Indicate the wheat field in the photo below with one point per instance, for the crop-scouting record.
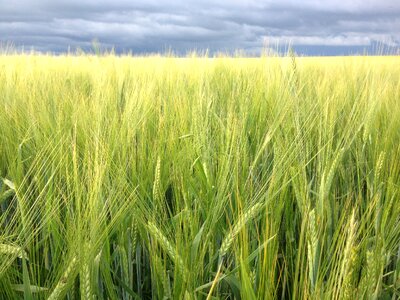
(199, 178)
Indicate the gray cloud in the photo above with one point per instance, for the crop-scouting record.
(154, 26)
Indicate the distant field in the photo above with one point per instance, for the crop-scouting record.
(199, 178)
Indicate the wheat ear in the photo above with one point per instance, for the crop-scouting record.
(63, 282)
(167, 246)
(13, 250)
(248, 215)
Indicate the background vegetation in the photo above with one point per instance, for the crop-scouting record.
(199, 178)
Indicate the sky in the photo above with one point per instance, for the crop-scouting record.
(310, 27)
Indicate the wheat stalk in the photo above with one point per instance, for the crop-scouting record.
(164, 277)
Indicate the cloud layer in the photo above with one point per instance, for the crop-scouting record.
(313, 27)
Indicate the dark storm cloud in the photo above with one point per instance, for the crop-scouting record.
(154, 26)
